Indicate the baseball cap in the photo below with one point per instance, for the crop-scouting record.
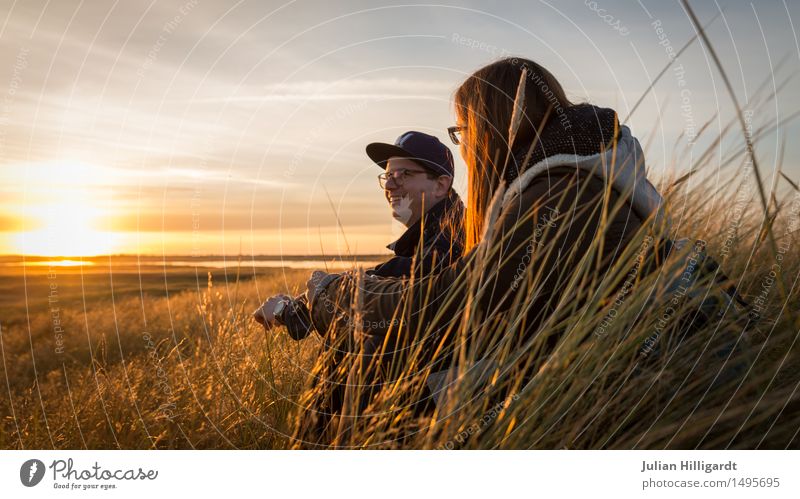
(424, 149)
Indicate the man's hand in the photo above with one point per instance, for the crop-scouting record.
(264, 314)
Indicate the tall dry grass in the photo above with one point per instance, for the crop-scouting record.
(189, 371)
(194, 371)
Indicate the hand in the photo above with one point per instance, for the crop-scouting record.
(264, 314)
(316, 277)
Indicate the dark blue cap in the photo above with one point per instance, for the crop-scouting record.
(424, 149)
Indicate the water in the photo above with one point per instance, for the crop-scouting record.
(217, 263)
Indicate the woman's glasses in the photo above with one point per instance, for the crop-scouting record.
(399, 176)
(455, 133)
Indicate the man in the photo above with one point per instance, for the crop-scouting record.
(418, 184)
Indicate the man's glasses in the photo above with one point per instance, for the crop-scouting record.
(399, 176)
(455, 133)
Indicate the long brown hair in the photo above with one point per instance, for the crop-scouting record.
(484, 106)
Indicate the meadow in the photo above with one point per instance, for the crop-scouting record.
(120, 356)
(116, 355)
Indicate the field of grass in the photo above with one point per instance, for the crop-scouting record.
(177, 365)
(171, 359)
(114, 355)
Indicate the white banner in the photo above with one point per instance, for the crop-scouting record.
(379, 474)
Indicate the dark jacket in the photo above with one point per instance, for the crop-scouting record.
(442, 234)
(436, 241)
(543, 222)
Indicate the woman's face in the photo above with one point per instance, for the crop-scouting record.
(464, 139)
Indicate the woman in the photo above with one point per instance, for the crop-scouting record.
(555, 189)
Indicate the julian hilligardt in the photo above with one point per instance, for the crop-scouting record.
(688, 466)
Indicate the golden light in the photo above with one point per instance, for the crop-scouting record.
(65, 202)
(60, 263)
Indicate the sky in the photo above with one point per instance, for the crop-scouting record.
(200, 127)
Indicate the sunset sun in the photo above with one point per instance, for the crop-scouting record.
(64, 211)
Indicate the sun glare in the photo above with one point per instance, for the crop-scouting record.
(66, 203)
(59, 263)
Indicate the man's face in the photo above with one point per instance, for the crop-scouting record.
(408, 186)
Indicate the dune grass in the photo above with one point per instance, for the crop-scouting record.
(192, 370)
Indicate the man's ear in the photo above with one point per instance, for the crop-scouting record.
(443, 185)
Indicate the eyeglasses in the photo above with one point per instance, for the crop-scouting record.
(455, 133)
(399, 176)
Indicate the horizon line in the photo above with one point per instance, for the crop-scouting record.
(184, 255)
